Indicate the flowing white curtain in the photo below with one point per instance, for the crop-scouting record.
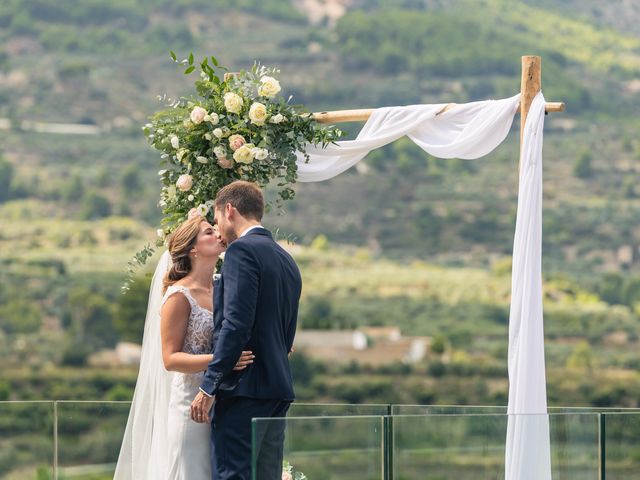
(527, 455)
(471, 131)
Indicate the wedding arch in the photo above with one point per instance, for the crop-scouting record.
(470, 131)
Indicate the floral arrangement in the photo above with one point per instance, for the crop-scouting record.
(236, 127)
(289, 474)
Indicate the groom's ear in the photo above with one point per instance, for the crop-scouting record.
(228, 210)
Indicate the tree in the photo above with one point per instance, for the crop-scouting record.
(91, 319)
(582, 167)
(581, 357)
(131, 311)
(131, 180)
(6, 177)
(95, 206)
(20, 316)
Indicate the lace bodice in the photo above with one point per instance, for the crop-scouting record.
(199, 336)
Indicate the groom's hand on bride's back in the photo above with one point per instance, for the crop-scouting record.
(246, 359)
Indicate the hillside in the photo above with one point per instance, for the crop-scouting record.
(74, 208)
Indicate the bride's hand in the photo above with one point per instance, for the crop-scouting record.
(246, 359)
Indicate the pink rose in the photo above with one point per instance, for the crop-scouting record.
(287, 476)
(225, 162)
(197, 115)
(236, 141)
(185, 182)
(193, 213)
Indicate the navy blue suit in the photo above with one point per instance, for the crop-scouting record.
(256, 308)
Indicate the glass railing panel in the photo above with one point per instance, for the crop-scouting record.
(621, 445)
(26, 440)
(446, 409)
(472, 447)
(330, 448)
(336, 409)
(89, 438)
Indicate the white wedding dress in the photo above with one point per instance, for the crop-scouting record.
(189, 442)
(161, 442)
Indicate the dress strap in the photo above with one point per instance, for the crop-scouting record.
(183, 290)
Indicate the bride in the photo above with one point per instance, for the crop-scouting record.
(161, 441)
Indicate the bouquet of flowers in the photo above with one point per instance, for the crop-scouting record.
(235, 127)
(289, 474)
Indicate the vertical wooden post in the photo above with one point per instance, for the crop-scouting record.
(530, 85)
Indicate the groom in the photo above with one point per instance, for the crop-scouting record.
(256, 308)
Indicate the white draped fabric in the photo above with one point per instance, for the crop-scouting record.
(527, 455)
(471, 131)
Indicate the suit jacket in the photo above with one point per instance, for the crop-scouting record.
(256, 308)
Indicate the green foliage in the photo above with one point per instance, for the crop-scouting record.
(95, 206)
(131, 182)
(583, 166)
(131, 311)
(6, 178)
(91, 319)
(18, 315)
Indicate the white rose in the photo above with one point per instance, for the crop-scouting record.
(220, 151)
(244, 154)
(269, 88)
(202, 210)
(207, 136)
(202, 160)
(233, 102)
(197, 115)
(277, 118)
(212, 118)
(260, 153)
(175, 141)
(218, 133)
(185, 182)
(171, 192)
(258, 113)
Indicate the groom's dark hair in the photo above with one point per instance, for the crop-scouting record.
(246, 197)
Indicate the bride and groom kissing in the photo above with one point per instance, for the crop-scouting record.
(215, 352)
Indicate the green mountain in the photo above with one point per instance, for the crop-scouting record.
(74, 207)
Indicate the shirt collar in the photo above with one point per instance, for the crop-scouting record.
(252, 227)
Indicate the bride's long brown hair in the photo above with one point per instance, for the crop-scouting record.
(180, 243)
